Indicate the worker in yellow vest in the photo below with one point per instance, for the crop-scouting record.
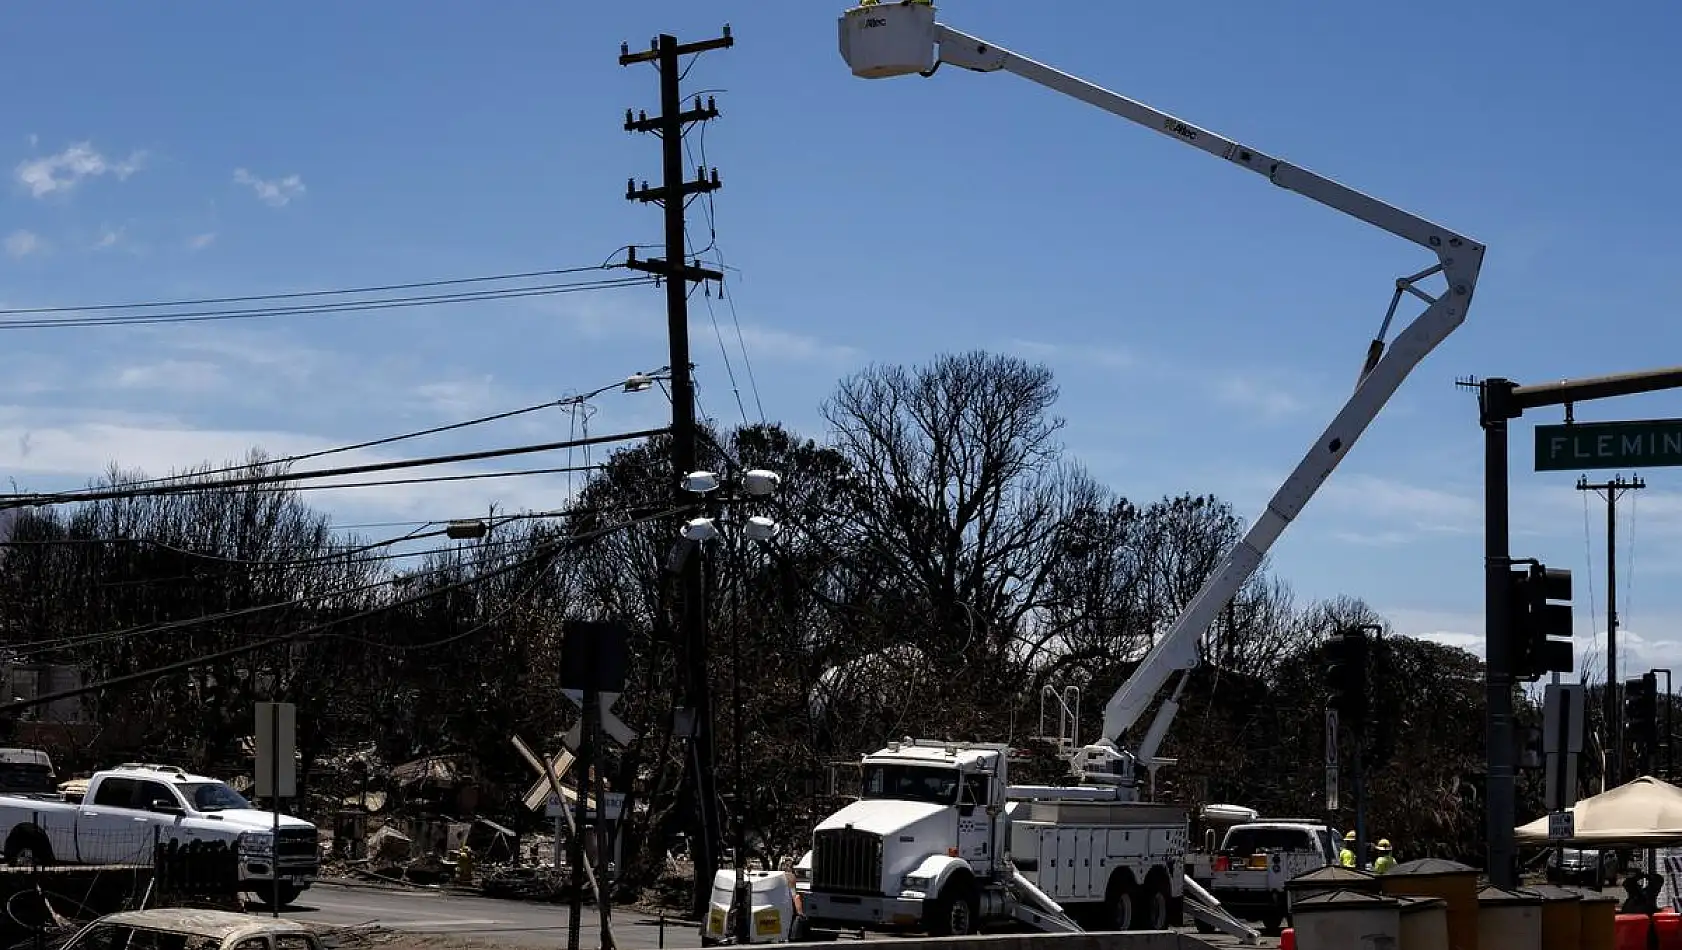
(1386, 860)
(1346, 857)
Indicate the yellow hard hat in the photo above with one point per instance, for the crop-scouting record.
(1384, 844)
(1349, 836)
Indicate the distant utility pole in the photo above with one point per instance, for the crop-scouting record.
(1611, 490)
(672, 195)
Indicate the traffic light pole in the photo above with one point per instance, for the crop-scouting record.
(1500, 401)
(1669, 724)
(1616, 741)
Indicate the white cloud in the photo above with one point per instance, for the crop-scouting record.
(460, 398)
(769, 344)
(24, 243)
(62, 172)
(1105, 357)
(274, 192)
(108, 237)
(199, 242)
(172, 375)
(1386, 505)
(272, 353)
(1637, 651)
(63, 449)
(1270, 401)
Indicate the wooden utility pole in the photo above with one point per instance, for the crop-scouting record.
(672, 195)
(1611, 490)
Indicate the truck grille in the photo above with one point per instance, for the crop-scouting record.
(847, 860)
(297, 846)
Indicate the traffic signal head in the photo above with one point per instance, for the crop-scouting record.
(1346, 675)
(1641, 711)
(1539, 624)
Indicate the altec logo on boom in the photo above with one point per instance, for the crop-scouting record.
(1651, 443)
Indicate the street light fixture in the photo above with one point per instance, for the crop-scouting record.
(760, 482)
(699, 529)
(700, 483)
(749, 485)
(759, 528)
(638, 382)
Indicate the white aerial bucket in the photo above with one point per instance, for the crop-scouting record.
(888, 39)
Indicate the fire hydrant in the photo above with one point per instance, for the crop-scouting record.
(464, 865)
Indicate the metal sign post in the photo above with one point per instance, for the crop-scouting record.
(593, 660)
(277, 773)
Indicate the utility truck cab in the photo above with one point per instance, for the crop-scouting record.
(940, 841)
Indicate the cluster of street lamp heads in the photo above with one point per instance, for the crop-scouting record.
(753, 483)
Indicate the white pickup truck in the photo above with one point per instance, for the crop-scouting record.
(1256, 858)
(127, 810)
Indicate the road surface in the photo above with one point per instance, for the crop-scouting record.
(477, 919)
(506, 922)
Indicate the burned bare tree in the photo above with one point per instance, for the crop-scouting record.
(962, 497)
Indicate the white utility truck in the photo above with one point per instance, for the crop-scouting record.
(127, 810)
(865, 868)
(941, 841)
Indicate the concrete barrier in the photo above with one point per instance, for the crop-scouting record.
(1132, 940)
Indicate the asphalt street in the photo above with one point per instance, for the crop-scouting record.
(512, 923)
(477, 918)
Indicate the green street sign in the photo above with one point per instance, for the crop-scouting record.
(1650, 443)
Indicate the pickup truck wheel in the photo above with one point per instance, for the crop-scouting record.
(29, 849)
(288, 894)
(953, 913)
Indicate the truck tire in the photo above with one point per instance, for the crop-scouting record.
(954, 912)
(1273, 919)
(1151, 903)
(1121, 902)
(29, 847)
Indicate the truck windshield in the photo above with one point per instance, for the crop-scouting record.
(27, 779)
(915, 783)
(1258, 840)
(213, 796)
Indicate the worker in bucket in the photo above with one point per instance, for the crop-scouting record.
(1346, 857)
(1386, 860)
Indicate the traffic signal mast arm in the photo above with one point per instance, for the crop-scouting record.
(879, 40)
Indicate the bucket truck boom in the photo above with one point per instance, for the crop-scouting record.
(880, 40)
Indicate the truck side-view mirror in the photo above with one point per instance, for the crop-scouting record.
(164, 806)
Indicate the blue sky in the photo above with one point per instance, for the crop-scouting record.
(1204, 325)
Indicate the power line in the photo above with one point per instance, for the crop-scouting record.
(386, 482)
(29, 501)
(429, 300)
(553, 549)
(296, 295)
(166, 546)
(574, 400)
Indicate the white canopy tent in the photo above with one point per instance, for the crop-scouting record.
(1645, 813)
